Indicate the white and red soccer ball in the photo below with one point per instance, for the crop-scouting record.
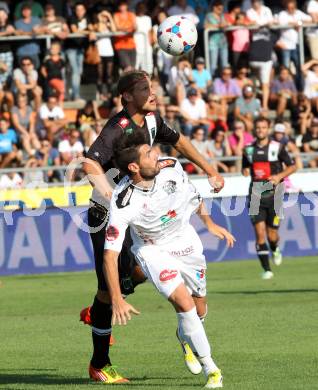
(177, 35)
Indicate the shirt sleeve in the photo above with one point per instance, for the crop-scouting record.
(116, 227)
(245, 162)
(285, 157)
(102, 148)
(165, 134)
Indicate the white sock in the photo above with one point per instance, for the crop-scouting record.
(192, 331)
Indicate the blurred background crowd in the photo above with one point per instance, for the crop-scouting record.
(56, 94)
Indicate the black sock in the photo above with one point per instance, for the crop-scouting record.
(101, 315)
(263, 255)
(273, 245)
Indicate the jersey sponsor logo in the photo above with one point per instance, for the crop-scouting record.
(200, 275)
(123, 122)
(182, 252)
(170, 187)
(167, 274)
(167, 163)
(112, 233)
(170, 216)
(262, 170)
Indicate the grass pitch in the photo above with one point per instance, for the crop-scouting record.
(264, 333)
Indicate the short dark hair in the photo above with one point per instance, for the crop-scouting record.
(262, 119)
(26, 58)
(129, 79)
(126, 149)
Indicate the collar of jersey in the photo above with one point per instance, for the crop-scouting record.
(141, 189)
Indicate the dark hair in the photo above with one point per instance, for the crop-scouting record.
(80, 3)
(262, 119)
(26, 6)
(129, 79)
(26, 58)
(216, 3)
(234, 4)
(126, 149)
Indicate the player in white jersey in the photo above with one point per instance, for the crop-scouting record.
(156, 201)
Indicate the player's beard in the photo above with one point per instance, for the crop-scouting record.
(149, 174)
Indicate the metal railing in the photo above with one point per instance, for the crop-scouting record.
(300, 28)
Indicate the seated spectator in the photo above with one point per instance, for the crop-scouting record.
(216, 112)
(87, 116)
(218, 46)
(26, 81)
(36, 9)
(247, 107)
(6, 55)
(172, 117)
(12, 179)
(259, 14)
(217, 147)
(182, 8)
(201, 76)
(33, 178)
(125, 45)
(288, 41)
(75, 48)
(193, 110)
(199, 142)
(52, 117)
(226, 87)
(283, 91)
(242, 78)
(27, 26)
(105, 69)
(92, 132)
(53, 69)
(282, 135)
(302, 114)
(310, 71)
(238, 140)
(8, 141)
(71, 148)
(23, 120)
(180, 77)
(49, 156)
(53, 24)
(310, 143)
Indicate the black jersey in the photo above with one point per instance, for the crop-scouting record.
(265, 161)
(102, 149)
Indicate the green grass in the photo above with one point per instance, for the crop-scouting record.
(264, 333)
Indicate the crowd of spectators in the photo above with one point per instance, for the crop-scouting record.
(252, 68)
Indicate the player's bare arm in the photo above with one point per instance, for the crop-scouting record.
(185, 147)
(246, 172)
(97, 178)
(121, 309)
(276, 179)
(213, 228)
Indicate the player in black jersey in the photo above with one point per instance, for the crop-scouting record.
(268, 163)
(137, 117)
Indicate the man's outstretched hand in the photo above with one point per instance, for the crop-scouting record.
(216, 182)
(121, 312)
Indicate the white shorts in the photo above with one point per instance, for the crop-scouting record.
(167, 266)
(264, 70)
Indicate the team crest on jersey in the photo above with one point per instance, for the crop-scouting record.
(123, 122)
(170, 187)
(169, 162)
(167, 274)
(112, 233)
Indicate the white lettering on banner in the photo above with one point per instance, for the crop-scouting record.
(27, 244)
(239, 205)
(310, 210)
(2, 248)
(294, 230)
(64, 239)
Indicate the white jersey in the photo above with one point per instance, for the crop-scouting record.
(158, 216)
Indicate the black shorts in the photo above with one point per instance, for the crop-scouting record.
(266, 213)
(126, 260)
(127, 58)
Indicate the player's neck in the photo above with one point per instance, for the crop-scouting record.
(141, 183)
(262, 142)
(137, 117)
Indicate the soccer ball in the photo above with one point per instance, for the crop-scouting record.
(177, 35)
